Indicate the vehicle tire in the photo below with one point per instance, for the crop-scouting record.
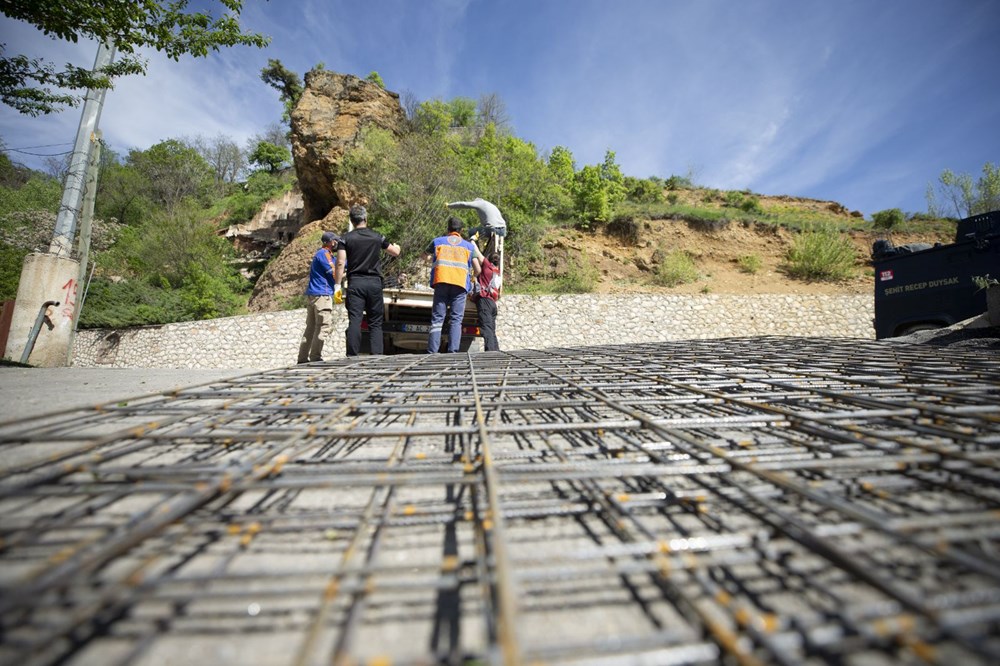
(923, 326)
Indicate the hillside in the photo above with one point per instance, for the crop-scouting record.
(606, 264)
(620, 267)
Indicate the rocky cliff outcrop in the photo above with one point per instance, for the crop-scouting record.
(275, 224)
(332, 112)
(285, 277)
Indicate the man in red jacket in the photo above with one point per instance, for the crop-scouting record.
(489, 284)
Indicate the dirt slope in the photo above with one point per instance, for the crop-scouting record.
(623, 267)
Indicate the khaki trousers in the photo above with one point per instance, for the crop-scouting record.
(319, 323)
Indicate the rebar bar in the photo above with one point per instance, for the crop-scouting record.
(757, 500)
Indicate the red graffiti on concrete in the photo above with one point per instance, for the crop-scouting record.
(69, 300)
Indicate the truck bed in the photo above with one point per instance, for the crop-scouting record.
(408, 319)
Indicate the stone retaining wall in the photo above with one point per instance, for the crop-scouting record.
(270, 340)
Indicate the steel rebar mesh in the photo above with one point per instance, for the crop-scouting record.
(764, 500)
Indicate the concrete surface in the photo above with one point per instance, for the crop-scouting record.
(28, 392)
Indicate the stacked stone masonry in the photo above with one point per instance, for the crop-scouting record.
(271, 339)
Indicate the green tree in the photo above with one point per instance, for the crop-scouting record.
(591, 197)
(963, 195)
(27, 217)
(562, 170)
(376, 79)
(246, 201)
(643, 190)
(463, 112)
(174, 172)
(269, 156)
(679, 182)
(286, 82)
(36, 86)
(613, 179)
(432, 117)
(562, 166)
(436, 116)
(123, 192)
(170, 267)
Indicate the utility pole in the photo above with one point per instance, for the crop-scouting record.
(53, 276)
(86, 226)
(69, 208)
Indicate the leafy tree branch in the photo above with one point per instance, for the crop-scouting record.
(35, 86)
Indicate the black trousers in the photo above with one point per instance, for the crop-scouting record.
(487, 309)
(364, 296)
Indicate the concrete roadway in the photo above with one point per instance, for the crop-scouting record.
(27, 392)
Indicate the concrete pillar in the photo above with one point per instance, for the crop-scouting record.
(44, 277)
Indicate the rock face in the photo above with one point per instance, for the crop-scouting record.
(285, 277)
(270, 230)
(333, 110)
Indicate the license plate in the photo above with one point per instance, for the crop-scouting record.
(416, 328)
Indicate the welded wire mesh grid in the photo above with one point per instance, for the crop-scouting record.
(765, 500)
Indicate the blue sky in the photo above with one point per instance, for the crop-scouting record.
(862, 102)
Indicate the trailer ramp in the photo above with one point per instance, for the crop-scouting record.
(745, 501)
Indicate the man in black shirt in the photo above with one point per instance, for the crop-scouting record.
(361, 251)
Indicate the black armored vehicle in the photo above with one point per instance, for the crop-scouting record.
(920, 286)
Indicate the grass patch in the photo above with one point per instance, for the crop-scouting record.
(577, 278)
(750, 264)
(675, 269)
(821, 253)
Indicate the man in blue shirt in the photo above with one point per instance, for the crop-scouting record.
(319, 300)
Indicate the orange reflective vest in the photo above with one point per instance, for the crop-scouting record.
(452, 261)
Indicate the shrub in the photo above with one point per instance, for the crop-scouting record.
(672, 198)
(259, 188)
(676, 268)
(888, 218)
(749, 263)
(124, 303)
(678, 183)
(11, 262)
(733, 199)
(751, 204)
(643, 191)
(141, 302)
(38, 193)
(579, 278)
(821, 253)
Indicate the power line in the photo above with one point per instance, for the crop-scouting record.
(24, 152)
(47, 145)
